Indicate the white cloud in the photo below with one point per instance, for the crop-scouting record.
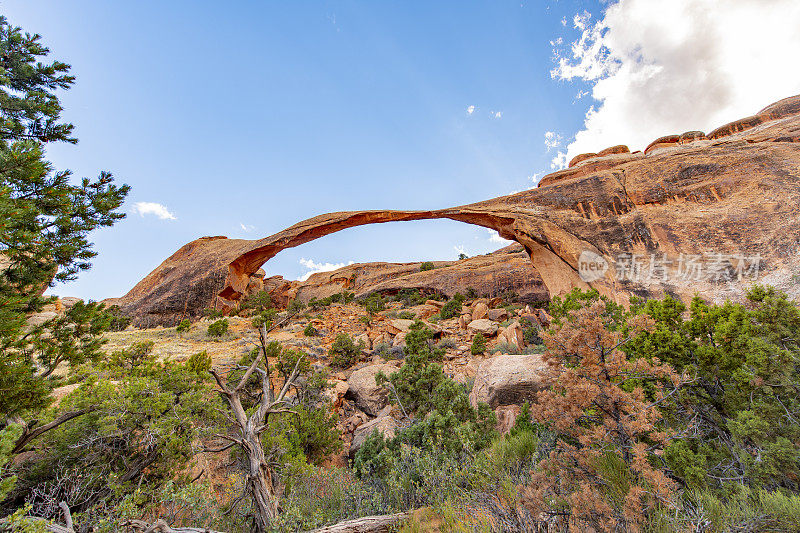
(314, 267)
(552, 140)
(497, 114)
(470, 109)
(496, 238)
(153, 208)
(246, 227)
(688, 65)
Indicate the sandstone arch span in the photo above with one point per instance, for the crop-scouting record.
(733, 191)
(509, 223)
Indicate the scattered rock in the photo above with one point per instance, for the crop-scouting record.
(479, 311)
(399, 325)
(385, 425)
(508, 379)
(484, 326)
(368, 396)
(498, 315)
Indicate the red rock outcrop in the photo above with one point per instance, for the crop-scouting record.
(733, 193)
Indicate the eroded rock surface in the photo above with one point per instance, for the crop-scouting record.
(732, 192)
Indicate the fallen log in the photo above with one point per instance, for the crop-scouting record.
(365, 524)
(160, 526)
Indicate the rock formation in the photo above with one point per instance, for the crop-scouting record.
(732, 193)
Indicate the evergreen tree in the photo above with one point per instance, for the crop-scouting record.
(46, 220)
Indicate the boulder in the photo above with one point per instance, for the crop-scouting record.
(508, 379)
(435, 303)
(484, 326)
(368, 396)
(424, 311)
(512, 334)
(37, 319)
(336, 392)
(498, 315)
(364, 338)
(399, 325)
(480, 311)
(385, 425)
(399, 340)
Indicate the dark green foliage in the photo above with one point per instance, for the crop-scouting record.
(200, 364)
(577, 299)
(530, 332)
(344, 352)
(478, 344)
(453, 307)
(185, 325)
(443, 418)
(410, 297)
(145, 416)
(46, 219)
(310, 330)
(295, 306)
(117, 321)
(471, 293)
(374, 304)
(259, 302)
(211, 313)
(462, 256)
(406, 315)
(427, 265)
(744, 399)
(344, 297)
(218, 328)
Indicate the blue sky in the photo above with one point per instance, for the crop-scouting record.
(244, 119)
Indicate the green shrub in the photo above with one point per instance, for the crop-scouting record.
(410, 297)
(199, 363)
(310, 331)
(478, 344)
(295, 306)
(406, 315)
(218, 328)
(117, 321)
(259, 301)
(452, 308)
(374, 304)
(211, 313)
(185, 325)
(427, 265)
(344, 352)
(530, 332)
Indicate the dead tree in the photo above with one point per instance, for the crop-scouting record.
(258, 483)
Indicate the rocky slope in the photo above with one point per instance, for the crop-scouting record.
(692, 213)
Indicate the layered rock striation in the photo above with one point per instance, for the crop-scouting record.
(721, 199)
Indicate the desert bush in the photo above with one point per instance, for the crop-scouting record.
(478, 344)
(211, 313)
(601, 473)
(406, 315)
(410, 297)
(427, 265)
(185, 325)
(447, 343)
(295, 306)
(310, 330)
(530, 332)
(452, 308)
(218, 328)
(344, 352)
(199, 363)
(117, 321)
(259, 301)
(374, 304)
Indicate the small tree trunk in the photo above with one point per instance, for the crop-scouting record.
(259, 483)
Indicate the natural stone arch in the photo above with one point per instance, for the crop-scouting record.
(507, 223)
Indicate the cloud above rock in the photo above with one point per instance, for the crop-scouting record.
(670, 67)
